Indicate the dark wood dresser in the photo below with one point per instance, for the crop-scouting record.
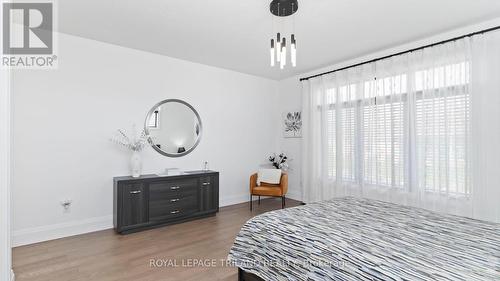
(152, 201)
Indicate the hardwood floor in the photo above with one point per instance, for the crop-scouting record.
(107, 256)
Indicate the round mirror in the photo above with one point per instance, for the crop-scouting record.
(174, 127)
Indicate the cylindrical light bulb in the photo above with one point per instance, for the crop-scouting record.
(283, 52)
(278, 46)
(293, 51)
(272, 52)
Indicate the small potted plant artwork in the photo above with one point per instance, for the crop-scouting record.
(292, 124)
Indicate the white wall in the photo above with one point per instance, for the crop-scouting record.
(5, 171)
(290, 91)
(5, 176)
(63, 119)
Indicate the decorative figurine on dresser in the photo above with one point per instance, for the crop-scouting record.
(174, 129)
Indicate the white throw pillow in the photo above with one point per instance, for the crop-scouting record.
(271, 176)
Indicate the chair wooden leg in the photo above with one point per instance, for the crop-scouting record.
(259, 199)
(251, 197)
(283, 202)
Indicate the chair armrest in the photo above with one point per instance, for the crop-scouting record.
(253, 181)
(284, 183)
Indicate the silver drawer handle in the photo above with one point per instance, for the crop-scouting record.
(206, 183)
(135, 192)
(174, 187)
(175, 212)
(174, 200)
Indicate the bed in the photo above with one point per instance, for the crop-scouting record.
(359, 239)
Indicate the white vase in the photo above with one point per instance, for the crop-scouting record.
(136, 164)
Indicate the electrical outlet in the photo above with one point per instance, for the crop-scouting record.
(66, 204)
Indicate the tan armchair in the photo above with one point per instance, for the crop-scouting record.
(265, 189)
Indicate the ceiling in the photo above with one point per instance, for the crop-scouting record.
(235, 34)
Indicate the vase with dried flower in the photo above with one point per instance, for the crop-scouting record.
(134, 143)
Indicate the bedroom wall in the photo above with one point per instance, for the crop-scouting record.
(290, 92)
(63, 120)
(5, 172)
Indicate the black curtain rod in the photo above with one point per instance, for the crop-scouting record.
(403, 52)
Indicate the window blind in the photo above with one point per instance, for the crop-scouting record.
(373, 128)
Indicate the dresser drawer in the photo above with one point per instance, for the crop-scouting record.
(172, 189)
(173, 207)
(206, 181)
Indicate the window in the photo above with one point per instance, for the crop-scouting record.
(383, 130)
(348, 141)
(348, 124)
(376, 129)
(332, 144)
(154, 121)
(331, 133)
(442, 128)
(348, 127)
(383, 144)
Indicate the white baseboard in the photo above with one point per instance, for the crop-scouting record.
(233, 200)
(61, 230)
(50, 232)
(295, 195)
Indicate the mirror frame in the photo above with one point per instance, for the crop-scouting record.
(153, 145)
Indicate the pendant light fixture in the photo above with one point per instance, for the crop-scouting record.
(281, 9)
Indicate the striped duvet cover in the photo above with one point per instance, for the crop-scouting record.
(359, 239)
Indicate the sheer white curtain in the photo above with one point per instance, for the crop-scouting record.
(405, 130)
(485, 126)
